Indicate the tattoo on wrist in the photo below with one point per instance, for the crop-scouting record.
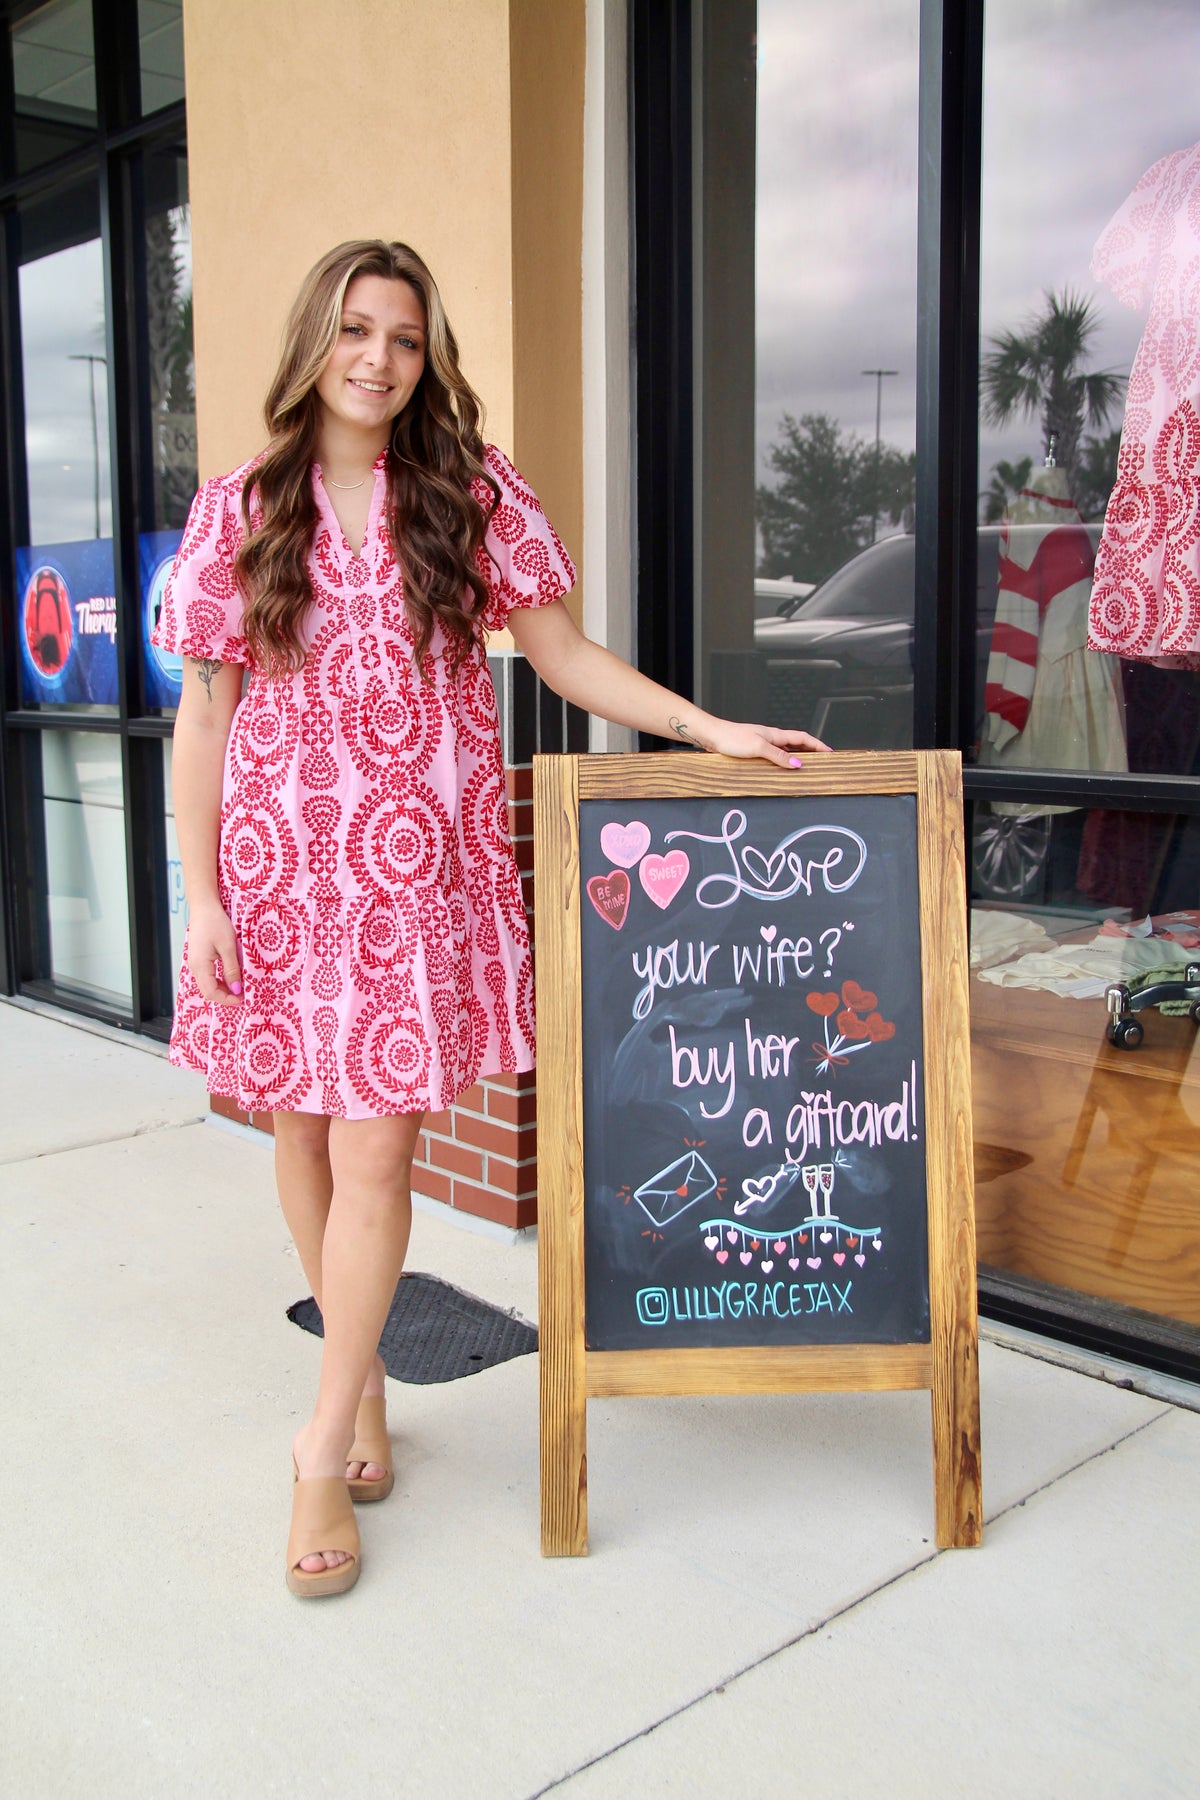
(689, 737)
(206, 670)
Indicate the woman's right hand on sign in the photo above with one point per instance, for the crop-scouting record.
(212, 946)
(591, 677)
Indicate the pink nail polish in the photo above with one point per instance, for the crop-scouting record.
(235, 987)
(794, 762)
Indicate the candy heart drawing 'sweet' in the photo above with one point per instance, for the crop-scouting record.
(663, 876)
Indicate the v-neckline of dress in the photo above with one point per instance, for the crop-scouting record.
(370, 529)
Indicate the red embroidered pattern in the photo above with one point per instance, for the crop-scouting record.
(364, 857)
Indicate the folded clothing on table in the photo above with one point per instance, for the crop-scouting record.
(1083, 971)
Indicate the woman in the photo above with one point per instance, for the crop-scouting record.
(357, 950)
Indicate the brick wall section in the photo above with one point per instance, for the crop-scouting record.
(481, 1154)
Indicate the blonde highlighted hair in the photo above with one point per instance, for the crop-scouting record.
(435, 453)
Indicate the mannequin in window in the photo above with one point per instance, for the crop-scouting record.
(1145, 603)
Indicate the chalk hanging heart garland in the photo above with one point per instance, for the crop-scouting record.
(719, 1236)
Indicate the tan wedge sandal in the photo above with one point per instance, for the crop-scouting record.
(322, 1519)
(371, 1445)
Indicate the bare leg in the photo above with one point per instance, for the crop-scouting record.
(304, 1179)
(362, 1255)
(305, 1182)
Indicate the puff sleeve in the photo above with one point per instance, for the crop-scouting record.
(523, 560)
(201, 612)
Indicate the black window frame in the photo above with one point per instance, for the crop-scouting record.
(113, 157)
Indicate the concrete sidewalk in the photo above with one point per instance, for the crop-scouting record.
(762, 1612)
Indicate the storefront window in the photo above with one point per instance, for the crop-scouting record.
(1093, 575)
(85, 865)
(160, 40)
(100, 444)
(827, 387)
(1058, 590)
(65, 580)
(1088, 657)
(54, 81)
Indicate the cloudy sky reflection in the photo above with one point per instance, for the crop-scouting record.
(62, 313)
(62, 316)
(1081, 97)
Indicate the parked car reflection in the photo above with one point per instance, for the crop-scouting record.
(840, 662)
(779, 594)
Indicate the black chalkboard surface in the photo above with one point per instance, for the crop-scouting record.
(753, 1080)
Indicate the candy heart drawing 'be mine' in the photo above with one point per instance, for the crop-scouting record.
(609, 894)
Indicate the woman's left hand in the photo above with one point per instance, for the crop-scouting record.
(728, 738)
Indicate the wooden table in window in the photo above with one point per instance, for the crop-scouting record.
(1087, 1157)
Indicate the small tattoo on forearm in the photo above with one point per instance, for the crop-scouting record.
(689, 737)
(206, 670)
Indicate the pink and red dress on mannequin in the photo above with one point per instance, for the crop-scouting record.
(1050, 701)
(1145, 599)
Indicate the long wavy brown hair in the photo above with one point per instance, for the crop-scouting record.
(436, 451)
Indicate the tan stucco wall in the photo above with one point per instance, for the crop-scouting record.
(311, 121)
(547, 44)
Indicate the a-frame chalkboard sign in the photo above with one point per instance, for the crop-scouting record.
(754, 1101)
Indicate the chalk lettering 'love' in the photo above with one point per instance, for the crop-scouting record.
(836, 856)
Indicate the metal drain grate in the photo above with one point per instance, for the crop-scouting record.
(435, 1332)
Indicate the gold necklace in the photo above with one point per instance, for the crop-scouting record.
(344, 485)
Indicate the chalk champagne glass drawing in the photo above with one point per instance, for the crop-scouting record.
(825, 1181)
(809, 1173)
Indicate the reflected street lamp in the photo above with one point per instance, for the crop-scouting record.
(879, 376)
(87, 357)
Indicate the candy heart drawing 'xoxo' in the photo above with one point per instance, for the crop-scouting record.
(625, 844)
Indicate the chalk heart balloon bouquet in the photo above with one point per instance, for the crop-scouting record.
(859, 1023)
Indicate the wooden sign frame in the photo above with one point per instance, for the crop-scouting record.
(948, 1364)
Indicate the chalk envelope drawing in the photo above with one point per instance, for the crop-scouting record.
(680, 1185)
